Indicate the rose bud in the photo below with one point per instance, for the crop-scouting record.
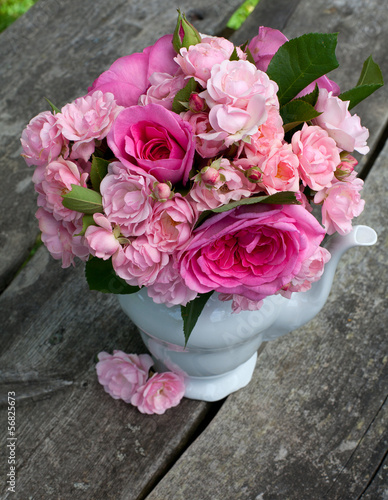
(185, 34)
(162, 191)
(210, 176)
(254, 174)
(196, 103)
(345, 168)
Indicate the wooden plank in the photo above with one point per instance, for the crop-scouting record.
(311, 423)
(56, 50)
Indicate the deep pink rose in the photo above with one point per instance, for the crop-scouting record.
(128, 77)
(340, 203)
(122, 374)
(155, 140)
(251, 251)
(161, 392)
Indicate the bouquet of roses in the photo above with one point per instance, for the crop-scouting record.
(194, 166)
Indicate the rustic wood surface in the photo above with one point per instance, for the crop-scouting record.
(313, 422)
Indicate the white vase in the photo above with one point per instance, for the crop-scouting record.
(220, 355)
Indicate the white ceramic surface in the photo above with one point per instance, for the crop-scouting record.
(220, 355)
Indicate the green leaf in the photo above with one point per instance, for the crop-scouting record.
(310, 98)
(101, 276)
(295, 112)
(234, 55)
(53, 107)
(300, 61)
(83, 200)
(183, 96)
(87, 220)
(191, 312)
(98, 171)
(370, 80)
(281, 198)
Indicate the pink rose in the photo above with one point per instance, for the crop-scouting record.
(340, 203)
(265, 45)
(241, 303)
(86, 120)
(161, 392)
(280, 170)
(59, 238)
(170, 224)
(102, 239)
(318, 156)
(122, 374)
(251, 250)
(42, 141)
(310, 272)
(169, 287)
(198, 60)
(204, 145)
(343, 127)
(163, 89)
(59, 177)
(139, 263)
(126, 198)
(128, 77)
(269, 135)
(155, 140)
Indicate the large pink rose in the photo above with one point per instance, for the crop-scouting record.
(251, 251)
(128, 77)
(155, 140)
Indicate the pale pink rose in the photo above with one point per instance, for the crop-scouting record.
(161, 392)
(169, 287)
(238, 96)
(206, 147)
(163, 89)
(241, 303)
(86, 120)
(198, 60)
(343, 127)
(318, 156)
(310, 272)
(340, 203)
(60, 240)
(170, 224)
(42, 141)
(251, 251)
(269, 135)
(139, 263)
(154, 140)
(126, 198)
(280, 170)
(102, 239)
(231, 186)
(128, 77)
(122, 374)
(59, 177)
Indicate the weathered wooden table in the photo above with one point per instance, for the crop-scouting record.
(313, 422)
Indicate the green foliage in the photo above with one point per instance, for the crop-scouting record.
(370, 80)
(83, 200)
(181, 99)
(101, 276)
(191, 312)
(98, 171)
(10, 10)
(241, 14)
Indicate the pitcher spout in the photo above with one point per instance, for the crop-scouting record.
(304, 306)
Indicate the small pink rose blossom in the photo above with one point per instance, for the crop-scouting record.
(126, 198)
(169, 287)
(269, 135)
(340, 203)
(161, 392)
(280, 170)
(59, 238)
(343, 127)
(170, 224)
(318, 156)
(139, 263)
(122, 374)
(86, 120)
(101, 239)
(154, 140)
(42, 141)
(241, 303)
(163, 89)
(204, 145)
(59, 177)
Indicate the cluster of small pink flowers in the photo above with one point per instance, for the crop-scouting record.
(168, 168)
(126, 376)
